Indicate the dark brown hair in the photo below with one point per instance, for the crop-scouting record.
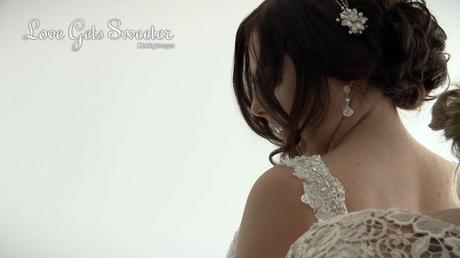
(401, 52)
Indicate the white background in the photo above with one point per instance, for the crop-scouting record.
(115, 151)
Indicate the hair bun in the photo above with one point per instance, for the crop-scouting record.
(413, 62)
(446, 116)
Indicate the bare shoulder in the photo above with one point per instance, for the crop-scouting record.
(274, 216)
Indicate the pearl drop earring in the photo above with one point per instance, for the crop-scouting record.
(347, 111)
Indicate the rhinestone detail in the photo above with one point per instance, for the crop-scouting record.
(322, 191)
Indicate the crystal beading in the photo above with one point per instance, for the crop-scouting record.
(322, 191)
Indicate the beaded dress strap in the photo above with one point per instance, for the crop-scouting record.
(322, 191)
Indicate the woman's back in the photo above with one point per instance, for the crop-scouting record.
(394, 174)
(402, 229)
(340, 228)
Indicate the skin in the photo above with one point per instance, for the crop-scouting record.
(372, 154)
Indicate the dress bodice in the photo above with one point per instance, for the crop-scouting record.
(366, 233)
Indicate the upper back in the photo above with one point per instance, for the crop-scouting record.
(422, 180)
(333, 192)
(422, 185)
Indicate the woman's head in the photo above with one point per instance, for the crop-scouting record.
(292, 58)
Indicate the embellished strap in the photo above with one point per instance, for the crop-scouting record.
(322, 191)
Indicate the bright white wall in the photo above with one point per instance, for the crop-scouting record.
(114, 151)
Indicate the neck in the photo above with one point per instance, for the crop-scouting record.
(380, 122)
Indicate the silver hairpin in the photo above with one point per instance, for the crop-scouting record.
(351, 18)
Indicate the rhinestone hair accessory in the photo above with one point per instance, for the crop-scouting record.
(351, 18)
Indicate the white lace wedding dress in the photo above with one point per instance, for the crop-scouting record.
(394, 232)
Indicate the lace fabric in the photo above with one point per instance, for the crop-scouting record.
(379, 233)
(366, 233)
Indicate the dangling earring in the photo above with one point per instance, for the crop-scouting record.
(347, 111)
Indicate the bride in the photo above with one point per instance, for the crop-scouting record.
(322, 80)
